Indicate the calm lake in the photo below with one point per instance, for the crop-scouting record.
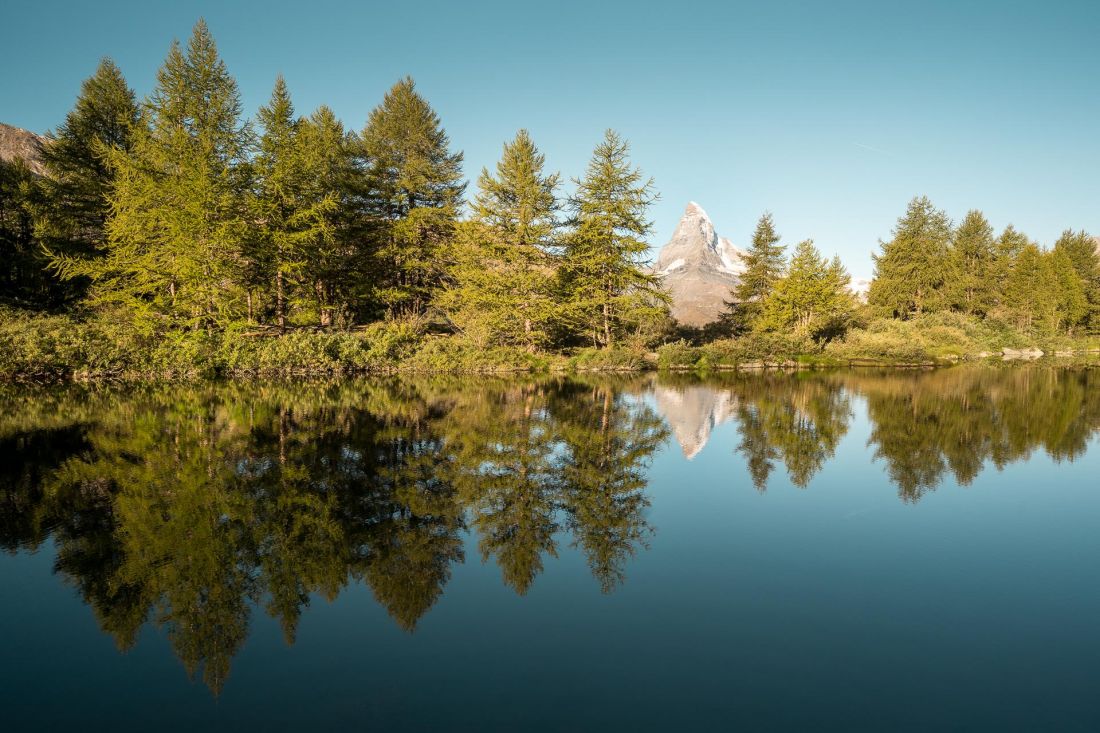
(905, 550)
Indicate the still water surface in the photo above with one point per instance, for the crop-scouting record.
(855, 550)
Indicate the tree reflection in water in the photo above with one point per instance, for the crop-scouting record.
(187, 506)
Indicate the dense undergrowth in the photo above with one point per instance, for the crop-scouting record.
(41, 348)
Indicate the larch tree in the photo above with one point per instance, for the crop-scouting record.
(1028, 297)
(503, 262)
(179, 200)
(1069, 308)
(293, 208)
(337, 265)
(764, 266)
(606, 287)
(913, 268)
(1083, 252)
(73, 204)
(415, 189)
(812, 299)
(974, 253)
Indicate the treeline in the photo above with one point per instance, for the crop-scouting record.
(928, 266)
(177, 214)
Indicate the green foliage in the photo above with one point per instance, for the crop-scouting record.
(1083, 252)
(974, 254)
(765, 264)
(812, 299)
(608, 360)
(915, 266)
(24, 280)
(174, 253)
(292, 200)
(501, 287)
(413, 187)
(607, 291)
(73, 203)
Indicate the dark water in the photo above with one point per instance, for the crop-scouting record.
(852, 550)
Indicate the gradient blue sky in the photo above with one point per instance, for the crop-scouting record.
(832, 115)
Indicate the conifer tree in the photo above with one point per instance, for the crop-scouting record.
(602, 271)
(1083, 252)
(812, 299)
(415, 189)
(1028, 298)
(974, 253)
(24, 280)
(914, 266)
(338, 264)
(503, 268)
(764, 265)
(1070, 305)
(175, 242)
(290, 200)
(71, 218)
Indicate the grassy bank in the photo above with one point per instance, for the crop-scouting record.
(52, 348)
(941, 338)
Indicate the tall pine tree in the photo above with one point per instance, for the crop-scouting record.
(175, 242)
(289, 200)
(974, 254)
(607, 288)
(764, 265)
(1083, 252)
(915, 265)
(71, 218)
(414, 189)
(503, 268)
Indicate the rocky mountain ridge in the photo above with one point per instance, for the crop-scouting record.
(699, 268)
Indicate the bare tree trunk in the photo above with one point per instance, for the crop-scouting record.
(280, 300)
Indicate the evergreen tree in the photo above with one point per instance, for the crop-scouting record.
(338, 264)
(24, 280)
(914, 266)
(174, 252)
(1070, 305)
(502, 273)
(414, 190)
(764, 265)
(1029, 299)
(290, 200)
(1006, 249)
(812, 299)
(74, 205)
(602, 271)
(1083, 252)
(974, 254)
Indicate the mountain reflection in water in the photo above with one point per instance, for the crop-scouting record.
(188, 506)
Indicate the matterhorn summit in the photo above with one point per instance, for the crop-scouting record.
(699, 268)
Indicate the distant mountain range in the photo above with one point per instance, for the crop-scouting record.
(19, 144)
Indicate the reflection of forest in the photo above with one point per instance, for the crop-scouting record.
(924, 424)
(181, 506)
(184, 506)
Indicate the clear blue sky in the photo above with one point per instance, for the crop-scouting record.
(830, 114)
